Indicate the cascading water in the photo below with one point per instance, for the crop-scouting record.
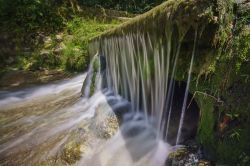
(131, 80)
(38, 124)
(142, 70)
(132, 76)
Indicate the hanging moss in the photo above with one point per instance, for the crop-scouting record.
(96, 67)
(171, 11)
(206, 134)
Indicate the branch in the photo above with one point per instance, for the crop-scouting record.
(218, 100)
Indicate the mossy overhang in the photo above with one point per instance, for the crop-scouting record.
(184, 14)
(183, 18)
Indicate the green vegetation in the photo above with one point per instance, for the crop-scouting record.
(54, 34)
(133, 6)
(228, 80)
(207, 122)
(30, 28)
(96, 66)
(71, 152)
(75, 54)
(38, 35)
(66, 50)
(30, 15)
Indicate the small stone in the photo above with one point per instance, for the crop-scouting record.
(59, 37)
(82, 148)
(44, 52)
(105, 122)
(178, 154)
(10, 60)
(47, 39)
(76, 49)
(47, 42)
(59, 48)
(69, 37)
(204, 163)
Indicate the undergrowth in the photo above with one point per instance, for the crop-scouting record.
(75, 55)
(72, 55)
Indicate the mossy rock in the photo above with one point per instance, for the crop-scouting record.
(178, 154)
(105, 123)
(71, 152)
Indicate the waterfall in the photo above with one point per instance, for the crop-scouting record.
(131, 85)
(93, 81)
(186, 92)
(141, 67)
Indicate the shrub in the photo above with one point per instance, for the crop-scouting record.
(75, 55)
(29, 15)
(134, 6)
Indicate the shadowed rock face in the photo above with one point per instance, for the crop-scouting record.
(191, 118)
(240, 1)
(179, 13)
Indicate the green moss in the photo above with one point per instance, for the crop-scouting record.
(71, 152)
(75, 55)
(225, 16)
(242, 46)
(161, 15)
(233, 148)
(96, 67)
(72, 55)
(207, 122)
(26, 36)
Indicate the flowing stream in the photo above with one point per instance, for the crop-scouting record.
(45, 125)
(130, 111)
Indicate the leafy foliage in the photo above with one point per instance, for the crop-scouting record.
(27, 23)
(75, 55)
(134, 6)
(30, 15)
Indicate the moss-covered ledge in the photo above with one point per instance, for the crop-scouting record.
(213, 19)
(183, 13)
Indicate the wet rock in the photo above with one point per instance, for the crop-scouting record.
(189, 155)
(105, 123)
(44, 53)
(204, 163)
(10, 60)
(71, 152)
(108, 128)
(89, 84)
(78, 144)
(21, 79)
(190, 121)
(59, 37)
(47, 42)
(180, 153)
(69, 37)
(52, 161)
(59, 48)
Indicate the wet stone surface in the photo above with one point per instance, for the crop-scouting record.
(189, 155)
